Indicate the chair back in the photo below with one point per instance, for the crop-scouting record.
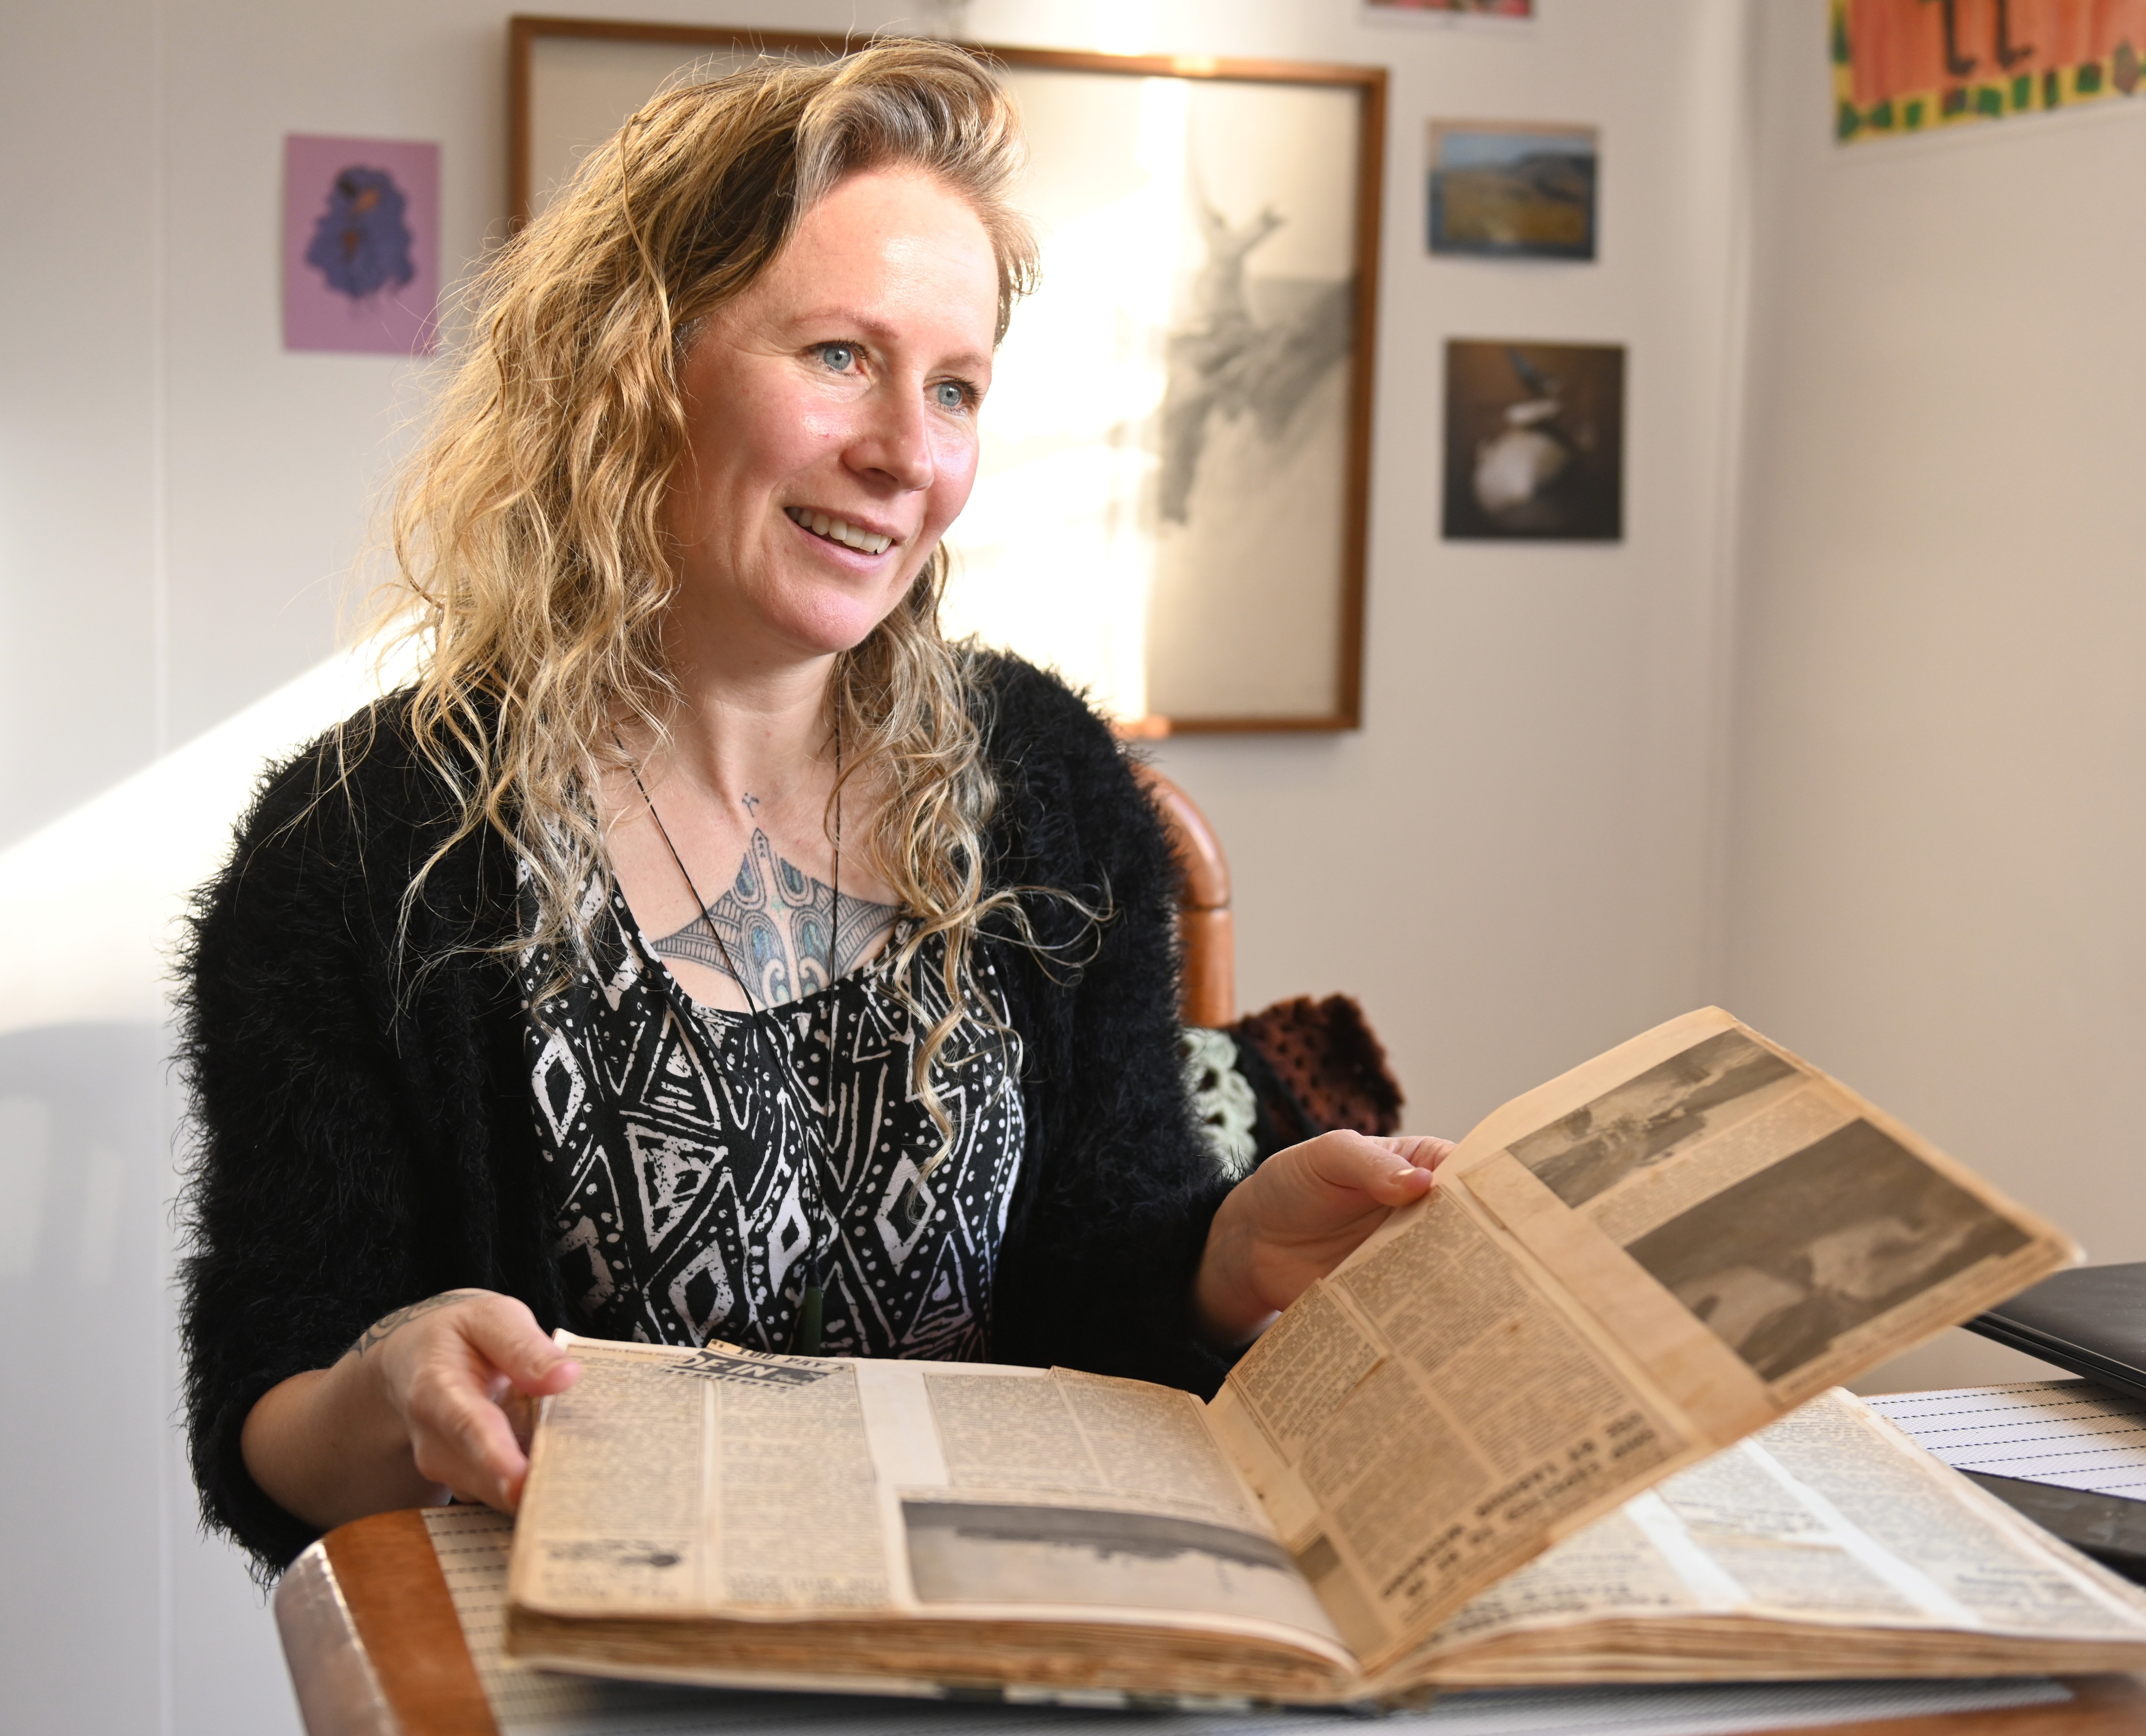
(1205, 934)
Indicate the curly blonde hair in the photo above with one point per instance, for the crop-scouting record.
(530, 561)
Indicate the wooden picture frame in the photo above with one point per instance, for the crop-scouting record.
(1210, 576)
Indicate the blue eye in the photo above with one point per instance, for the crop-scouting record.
(840, 358)
(951, 395)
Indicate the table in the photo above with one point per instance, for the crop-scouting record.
(379, 1645)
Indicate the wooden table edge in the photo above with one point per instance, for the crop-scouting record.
(371, 1638)
(375, 1648)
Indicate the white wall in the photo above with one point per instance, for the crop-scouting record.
(79, 557)
(1938, 837)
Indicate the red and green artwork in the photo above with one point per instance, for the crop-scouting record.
(1908, 66)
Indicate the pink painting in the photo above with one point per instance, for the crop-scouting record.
(361, 244)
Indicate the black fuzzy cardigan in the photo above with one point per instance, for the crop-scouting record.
(362, 1118)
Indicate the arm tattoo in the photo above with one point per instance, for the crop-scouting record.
(385, 1328)
(775, 924)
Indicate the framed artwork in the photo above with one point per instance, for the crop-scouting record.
(1534, 441)
(1913, 66)
(361, 244)
(1171, 503)
(1449, 12)
(1512, 190)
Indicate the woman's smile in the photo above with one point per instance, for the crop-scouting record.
(829, 528)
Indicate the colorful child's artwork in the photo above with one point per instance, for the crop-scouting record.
(1446, 11)
(1515, 189)
(1908, 66)
(1534, 441)
(361, 244)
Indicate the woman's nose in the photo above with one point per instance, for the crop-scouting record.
(895, 439)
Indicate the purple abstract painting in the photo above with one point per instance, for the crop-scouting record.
(361, 244)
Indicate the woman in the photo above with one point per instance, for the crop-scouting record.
(474, 1053)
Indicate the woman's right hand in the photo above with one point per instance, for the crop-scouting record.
(433, 1400)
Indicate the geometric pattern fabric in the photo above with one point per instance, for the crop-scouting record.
(680, 1164)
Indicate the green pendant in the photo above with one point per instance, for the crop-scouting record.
(808, 1322)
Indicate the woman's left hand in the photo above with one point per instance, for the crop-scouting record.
(1295, 1218)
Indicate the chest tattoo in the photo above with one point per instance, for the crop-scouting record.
(774, 923)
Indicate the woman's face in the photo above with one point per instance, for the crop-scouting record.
(832, 424)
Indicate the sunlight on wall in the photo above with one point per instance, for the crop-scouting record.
(1079, 599)
(1121, 27)
(92, 899)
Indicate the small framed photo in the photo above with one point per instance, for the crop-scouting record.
(1513, 189)
(1534, 441)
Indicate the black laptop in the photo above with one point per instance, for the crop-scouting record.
(2091, 1321)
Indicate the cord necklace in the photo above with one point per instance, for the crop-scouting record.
(812, 1307)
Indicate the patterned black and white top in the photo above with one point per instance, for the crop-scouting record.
(676, 1164)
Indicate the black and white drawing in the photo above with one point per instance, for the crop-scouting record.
(1226, 363)
(1649, 1118)
(1178, 404)
(1875, 1224)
